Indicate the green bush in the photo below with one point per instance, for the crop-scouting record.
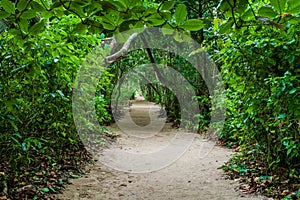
(261, 68)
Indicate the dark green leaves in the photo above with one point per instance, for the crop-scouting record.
(37, 28)
(21, 5)
(36, 6)
(226, 27)
(8, 6)
(4, 14)
(23, 24)
(28, 14)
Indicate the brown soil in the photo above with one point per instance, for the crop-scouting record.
(189, 177)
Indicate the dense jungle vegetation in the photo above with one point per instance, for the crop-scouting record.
(254, 44)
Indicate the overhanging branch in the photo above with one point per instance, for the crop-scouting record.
(111, 58)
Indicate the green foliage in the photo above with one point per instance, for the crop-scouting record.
(36, 83)
(259, 61)
(256, 44)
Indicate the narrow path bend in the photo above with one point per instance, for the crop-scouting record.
(187, 178)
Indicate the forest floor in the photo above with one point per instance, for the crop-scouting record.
(188, 177)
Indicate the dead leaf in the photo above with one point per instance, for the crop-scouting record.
(285, 192)
(39, 174)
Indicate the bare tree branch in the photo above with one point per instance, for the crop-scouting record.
(110, 59)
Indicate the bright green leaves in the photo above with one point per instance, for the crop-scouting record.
(113, 16)
(167, 29)
(267, 12)
(180, 14)
(293, 6)
(275, 13)
(180, 22)
(192, 25)
(154, 20)
(8, 6)
(224, 6)
(111, 20)
(278, 5)
(28, 14)
(285, 7)
(168, 5)
(263, 100)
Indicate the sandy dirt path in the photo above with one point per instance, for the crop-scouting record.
(187, 178)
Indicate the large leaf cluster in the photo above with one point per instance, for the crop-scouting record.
(260, 65)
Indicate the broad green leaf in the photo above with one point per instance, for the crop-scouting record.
(226, 27)
(295, 20)
(192, 25)
(28, 14)
(108, 26)
(37, 7)
(166, 15)
(24, 25)
(138, 9)
(4, 14)
(293, 6)
(8, 6)
(46, 14)
(241, 6)
(56, 4)
(267, 12)
(37, 28)
(131, 3)
(248, 15)
(278, 5)
(78, 10)
(138, 25)
(121, 5)
(80, 28)
(155, 20)
(224, 6)
(180, 13)
(179, 37)
(113, 18)
(15, 32)
(167, 29)
(21, 5)
(168, 5)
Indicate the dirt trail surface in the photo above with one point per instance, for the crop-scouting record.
(187, 178)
